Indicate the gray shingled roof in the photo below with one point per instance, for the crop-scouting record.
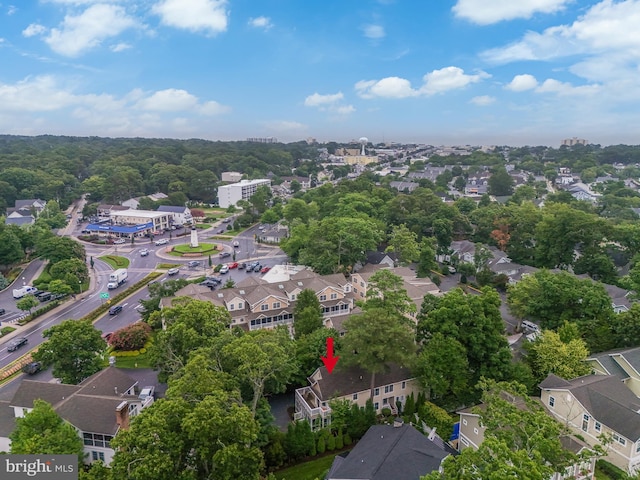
(607, 399)
(390, 453)
(7, 419)
(93, 413)
(110, 381)
(349, 380)
(30, 390)
(171, 209)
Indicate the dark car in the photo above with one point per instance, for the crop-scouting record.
(193, 264)
(2, 311)
(209, 283)
(16, 344)
(215, 280)
(57, 296)
(242, 266)
(225, 255)
(43, 296)
(116, 309)
(32, 368)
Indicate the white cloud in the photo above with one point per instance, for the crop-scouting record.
(437, 81)
(449, 78)
(11, 9)
(373, 31)
(119, 47)
(343, 109)
(35, 94)
(261, 22)
(563, 88)
(83, 32)
(390, 87)
(521, 83)
(212, 108)
(177, 100)
(209, 16)
(486, 12)
(33, 30)
(483, 100)
(317, 99)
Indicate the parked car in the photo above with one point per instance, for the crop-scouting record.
(147, 391)
(226, 220)
(161, 241)
(233, 265)
(16, 344)
(530, 326)
(173, 271)
(43, 296)
(119, 241)
(193, 264)
(2, 311)
(265, 269)
(116, 309)
(32, 368)
(224, 269)
(144, 252)
(58, 296)
(225, 254)
(215, 280)
(208, 283)
(242, 266)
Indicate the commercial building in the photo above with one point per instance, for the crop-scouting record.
(243, 190)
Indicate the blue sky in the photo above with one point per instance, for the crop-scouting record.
(506, 72)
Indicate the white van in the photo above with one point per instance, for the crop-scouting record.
(530, 326)
(22, 291)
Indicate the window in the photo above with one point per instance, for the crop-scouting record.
(376, 406)
(276, 304)
(388, 388)
(475, 430)
(323, 298)
(231, 306)
(585, 422)
(376, 392)
(464, 421)
(362, 284)
(97, 456)
(552, 402)
(293, 297)
(361, 294)
(404, 385)
(240, 305)
(638, 447)
(333, 296)
(464, 441)
(264, 306)
(622, 441)
(597, 426)
(355, 396)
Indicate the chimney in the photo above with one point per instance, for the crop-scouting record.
(398, 422)
(122, 415)
(115, 390)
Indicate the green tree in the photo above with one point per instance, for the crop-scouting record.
(27, 303)
(307, 313)
(11, 250)
(375, 339)
(42, 431)
(549, 354)
(189, 324)
(74, 348)
(500, 182)
(404, 243)
(309, 348)
(74, 266)
(427, 259)
(56, 249)
(60, 287)
(386, 290)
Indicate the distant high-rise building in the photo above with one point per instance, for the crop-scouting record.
(569, 142)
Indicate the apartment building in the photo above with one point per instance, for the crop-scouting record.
(243, 190)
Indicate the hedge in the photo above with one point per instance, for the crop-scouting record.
(611, 470)
(39, 312)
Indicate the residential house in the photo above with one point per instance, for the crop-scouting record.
(376, 257)
(582, 191)
(391, 452)
(134, 203)
(24, 212)
(477, 185)
(406, 187)
(106, 210)
(353, 384)
(181, 215)
(459, 251)
(255, 303)
(623, 364)
(97, 408)
(596, 405)
(273, 233)
(472, 432)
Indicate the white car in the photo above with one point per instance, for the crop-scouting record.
(173, 271)
(120, 241)
(224, 269)
(144, 252)
(162, 241)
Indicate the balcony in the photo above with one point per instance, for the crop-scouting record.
(309, 407)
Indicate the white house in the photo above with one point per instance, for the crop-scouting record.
(181, 215)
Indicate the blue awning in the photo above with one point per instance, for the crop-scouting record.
(94, 227)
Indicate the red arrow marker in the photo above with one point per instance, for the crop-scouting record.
(329, 361)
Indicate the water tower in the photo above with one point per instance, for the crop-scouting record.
(363, 141)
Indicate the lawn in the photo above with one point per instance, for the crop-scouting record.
(141, 361)
(306, 471)
(115, 261)
(202, 248)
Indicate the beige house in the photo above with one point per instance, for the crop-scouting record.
(623, 364)
(97, 408)
(255, 304)
(352, 384)
(472, 435)
(596, 405)
(160, 220)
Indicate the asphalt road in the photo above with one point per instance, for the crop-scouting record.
(139, 267)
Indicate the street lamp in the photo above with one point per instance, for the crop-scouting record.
(23, 282)
(80, 283)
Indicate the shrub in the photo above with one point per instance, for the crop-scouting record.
(131, 337)
(321, 445)
(386, 412)
(347, 439)
(331, 443)
(611, 470)
(339, 440)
